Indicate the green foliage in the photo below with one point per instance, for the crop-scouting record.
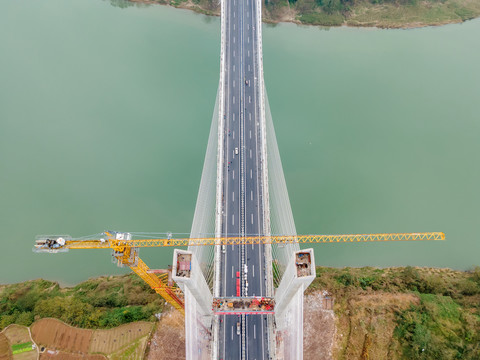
(25, 318)
(437, 329)
(347, 279)
(476, 274)
(366, 282)
(383, 13)
(176, 2)
(96, 303)
(324, 19)
(20, 348)
(6, 320)
(444, 324)
(120, 316)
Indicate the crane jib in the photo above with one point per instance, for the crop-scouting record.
(54, 245)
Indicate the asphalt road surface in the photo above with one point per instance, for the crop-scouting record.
(242, 190)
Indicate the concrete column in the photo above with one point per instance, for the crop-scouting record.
(299, 273)
(187, 274)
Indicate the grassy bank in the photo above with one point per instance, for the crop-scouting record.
(104, 302)
(404, 313)
(365, 13)
(393, 313)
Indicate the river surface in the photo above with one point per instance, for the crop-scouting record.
(105, 113)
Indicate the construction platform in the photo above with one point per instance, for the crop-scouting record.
(243, 306)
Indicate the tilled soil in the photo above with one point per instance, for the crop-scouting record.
(55, 334)
(168, 341)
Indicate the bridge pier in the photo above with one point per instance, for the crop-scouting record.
(186, 272)
(299, 273)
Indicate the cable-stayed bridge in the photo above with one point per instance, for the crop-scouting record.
(243, 193)
(241, 290)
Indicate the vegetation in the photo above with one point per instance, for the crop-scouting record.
(97, 303)
(380, 13)
(394, 313)
(20, 348)
(434, 313)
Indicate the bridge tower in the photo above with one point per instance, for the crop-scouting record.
(243, 192)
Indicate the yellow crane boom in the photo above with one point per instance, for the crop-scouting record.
(112, 243)
(160, 285)
(125, 249)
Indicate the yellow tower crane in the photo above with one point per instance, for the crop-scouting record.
(125, 249)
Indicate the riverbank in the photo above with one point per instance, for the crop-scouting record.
(387, 14)
(99, 303)
(392, 313)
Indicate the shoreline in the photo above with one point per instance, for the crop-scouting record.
(385, 307)
(109, 277)
(361, 15)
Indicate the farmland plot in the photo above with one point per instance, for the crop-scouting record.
(60, 355)
(112, 340)
(55, 334)
(17, 335)
(5, 352)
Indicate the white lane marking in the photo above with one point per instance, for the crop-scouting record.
(233, 134)
(249, 99)
(248, 39)
(250, 115)
(233, 116)
(253, 271)
(248, 25)
(233, 68)
(248, 53)
(233, 196)
(248, 66)
(251, 195)
(233, 220)
(252, 217)
(254, 331)
(234, 39)
(234, 14)
(233, 174)
(233, 83)
(233, 53)
(233, 26)
(250, 153)
(232, 271)
(250, 134)
(248, 13)
(234, 99)
(251, 174)
(232, 332)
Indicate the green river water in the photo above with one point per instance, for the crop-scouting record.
(105, 113)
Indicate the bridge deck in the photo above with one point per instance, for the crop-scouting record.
(242, 267)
